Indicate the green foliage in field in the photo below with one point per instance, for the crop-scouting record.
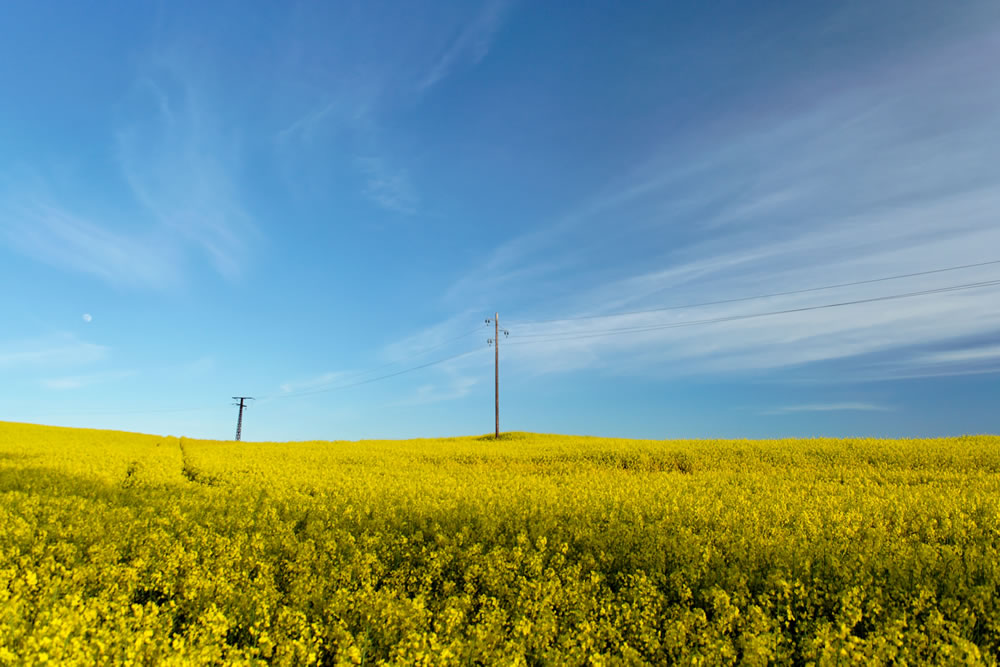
(537, 549)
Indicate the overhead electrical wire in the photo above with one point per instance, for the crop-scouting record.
(756, 296)
(328, 387)
(309, 392)
(558, 336)
(576, 335)
(360, 374)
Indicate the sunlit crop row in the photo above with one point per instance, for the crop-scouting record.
(117, 547)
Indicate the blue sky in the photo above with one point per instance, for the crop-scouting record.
(285, 200)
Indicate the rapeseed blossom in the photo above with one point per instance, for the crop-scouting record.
(118, 547)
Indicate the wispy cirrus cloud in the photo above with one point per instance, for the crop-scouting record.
(315, 382)
(470, 45)
(181, 171)
(36, 224)
(450, 389)
(81, 381)
(827, 407)
(388, 186)
(891, 176)
(195, 369)
(304, 128)
(59, 350)
(460, 332)
(398, 63)
(440, 349)
(350, 121)
(981, 353)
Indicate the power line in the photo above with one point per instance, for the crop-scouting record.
(310, 392)
(568, 335)
(360, 374)
(315, 390)
(576, 335)
(761, 296)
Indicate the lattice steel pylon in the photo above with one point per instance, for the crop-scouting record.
(239, 420)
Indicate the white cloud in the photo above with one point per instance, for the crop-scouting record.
(459, 332)
(87, 317)
(305, 127)
(197, 367)
(81, 381)
(971, 354)
(890, 177)
(448, 390)
(405, 55)
(828, 407)
(182, 171)
(55, 350)
(389, 187)
(762, 343)
(62, 383)
(470, 46)
(316, 382)
(36, 225)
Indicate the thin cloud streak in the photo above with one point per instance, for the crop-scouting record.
(866, 184)
(388, 187)
(183, 171)
(827, 407)
(458, 332)
(321, 380)
(51, 351)
(355, 105)
(182, 175)
(966, 355)
(82, 381)
(452, 389)
(37, 227)
(471, 45)
(767, 343)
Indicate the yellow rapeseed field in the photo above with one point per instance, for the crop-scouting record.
(541, 549)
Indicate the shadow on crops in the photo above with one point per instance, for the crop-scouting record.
(559, 464)
(15, 456)
(48, 483)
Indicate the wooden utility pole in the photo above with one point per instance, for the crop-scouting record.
(495, 342)
(496, 368)
(239, 420)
